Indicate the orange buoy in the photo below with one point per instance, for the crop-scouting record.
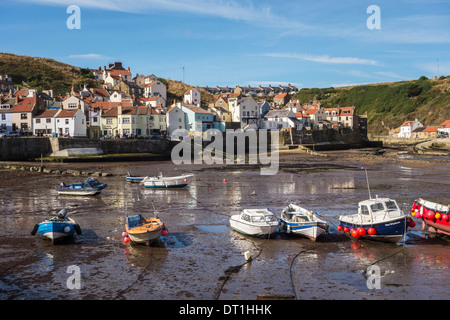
(412, 224)
(339, 228)
(345, 229)
(224, 180)
(371, 231)
(437, 215)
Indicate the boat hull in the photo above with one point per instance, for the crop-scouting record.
(144, 237)
(134, 179)
(78, 192)
(440, 225)
(252, 229)
(310, 230)
(388, 231)
(56, 230)
(167, 182)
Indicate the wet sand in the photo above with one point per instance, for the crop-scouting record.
(202, 258)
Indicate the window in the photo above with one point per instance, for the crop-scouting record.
(376, 207)
(364, 210)
(24, 126)
(72, 105)
(391, 205)
(3, 116)
(109, 121)
(125, 120)
(38, 120)
(23, 116)
(95, 119)
(67, 121)
(48, 120)
(66, 130)
(126, 132)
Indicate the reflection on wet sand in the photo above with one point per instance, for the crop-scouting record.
(190, 261)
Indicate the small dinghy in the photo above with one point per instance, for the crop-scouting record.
(297, 220)
(144, 231)
(254, 222)
(58, 227)
(167, 182)
(133, 179)
(90, 187)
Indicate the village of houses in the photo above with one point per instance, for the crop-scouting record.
(137, 107)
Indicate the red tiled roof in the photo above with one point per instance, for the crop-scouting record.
(25, 105)
(67, 113)
(48, 113)
(280, 96)
(113, 112)
(312, 111)
(431, 129)
(119, 72)
(446, 124)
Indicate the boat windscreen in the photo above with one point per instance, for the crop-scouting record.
(391, 205)
(378, 206)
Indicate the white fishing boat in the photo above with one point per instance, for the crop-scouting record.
(254, 222)
(297, 220)
(167, 182)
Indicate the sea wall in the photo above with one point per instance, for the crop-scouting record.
(29, 148)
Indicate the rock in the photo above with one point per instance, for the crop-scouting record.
(106, 174)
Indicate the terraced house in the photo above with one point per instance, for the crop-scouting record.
(126, 122)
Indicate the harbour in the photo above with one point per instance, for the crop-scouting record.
(202, 257)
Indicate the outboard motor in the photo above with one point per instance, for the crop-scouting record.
(62, 213)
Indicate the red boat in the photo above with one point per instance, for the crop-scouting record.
(434, 215)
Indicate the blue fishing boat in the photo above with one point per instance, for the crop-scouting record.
(57, 227)
(377, 219)
(90, 187)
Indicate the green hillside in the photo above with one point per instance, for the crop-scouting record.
(388, 105)
(44, 74)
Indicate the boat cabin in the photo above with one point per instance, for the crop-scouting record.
(257, 215)
(378, 209)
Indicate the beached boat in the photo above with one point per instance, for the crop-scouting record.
(90, 187)
(297, 220)
(144, 231)
(57, 227)
(134, 179)
(254, 222)
(435, 216)
(377, 219)
(167, 182)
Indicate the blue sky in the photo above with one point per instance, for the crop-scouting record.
(230, 42)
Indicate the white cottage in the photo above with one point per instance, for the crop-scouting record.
(408, 127)
(71, 123)
(192, 96)
(175, 119)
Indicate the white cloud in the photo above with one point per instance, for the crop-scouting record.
(322, 58)
(89, 56)
(227, 9)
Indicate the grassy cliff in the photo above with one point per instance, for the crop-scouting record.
(388, 105)
(44, 74)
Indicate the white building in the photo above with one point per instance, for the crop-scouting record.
(44, 122)
(155, 88)
(280, 119)
(74, 102)
(246, 111)
(408, 127)
(71, 123)
(175, 119)
(192, 96)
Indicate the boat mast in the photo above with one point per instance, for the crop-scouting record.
(367, 179)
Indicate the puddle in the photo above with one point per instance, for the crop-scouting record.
(213, 228)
